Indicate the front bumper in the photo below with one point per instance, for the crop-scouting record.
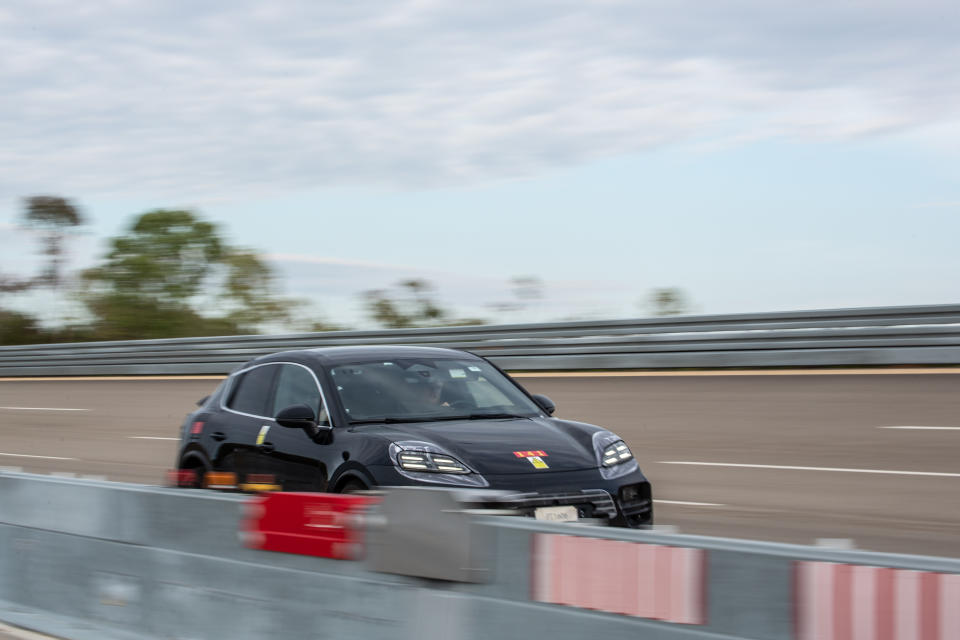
(630, 506)
(590, 503)
(623, 501)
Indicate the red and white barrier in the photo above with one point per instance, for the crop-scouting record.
(854, 602)
(630, 578)
(315, 524)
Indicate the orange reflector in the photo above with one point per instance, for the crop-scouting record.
(254, 487)
(220, 480)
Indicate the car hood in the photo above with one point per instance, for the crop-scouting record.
(506, 446)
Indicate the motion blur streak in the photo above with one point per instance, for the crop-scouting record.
(751, 372)
(642, 580)
(808, 421)
(15, 633)
(796, 468)
(840, 601)
(39, 409)
(894, 371)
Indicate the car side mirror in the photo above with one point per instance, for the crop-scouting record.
(545, 403)
(301, 416)
(297, 416)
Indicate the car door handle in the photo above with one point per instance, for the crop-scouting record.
(267, 447)
(218, 435)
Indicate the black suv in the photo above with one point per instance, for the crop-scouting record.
(343, 419)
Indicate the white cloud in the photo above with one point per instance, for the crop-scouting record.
(179, 98)
(321, 260)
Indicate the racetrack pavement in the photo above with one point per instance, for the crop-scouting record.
(790, 458)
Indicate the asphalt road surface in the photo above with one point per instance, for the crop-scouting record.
(791, 458)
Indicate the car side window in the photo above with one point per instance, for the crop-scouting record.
(251, 391)
(298, 386)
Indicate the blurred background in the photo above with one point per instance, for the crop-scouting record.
(304, 166)
(180, 170)
(183, 169)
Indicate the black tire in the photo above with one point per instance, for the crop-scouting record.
(352, 486)
(196, 464)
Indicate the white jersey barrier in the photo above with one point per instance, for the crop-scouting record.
(85, 559)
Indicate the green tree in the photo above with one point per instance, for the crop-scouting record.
(165, 258)
(173, 275)
(527, 291)
(410, 304)
(18, 328)
(52, 216)
(248, 291)
(668, 301)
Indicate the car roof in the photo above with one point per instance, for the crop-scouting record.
(341, 355)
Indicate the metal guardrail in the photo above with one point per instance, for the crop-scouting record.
(919, 335)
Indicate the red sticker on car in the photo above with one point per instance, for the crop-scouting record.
(530, 454)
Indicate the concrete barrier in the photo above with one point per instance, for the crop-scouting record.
(86, 559)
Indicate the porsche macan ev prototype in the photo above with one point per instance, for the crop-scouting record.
(350, 418)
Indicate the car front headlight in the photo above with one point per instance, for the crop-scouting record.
(426, 462)
(615, 454)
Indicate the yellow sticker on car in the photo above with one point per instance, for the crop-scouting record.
(263, 434)
(538, 462)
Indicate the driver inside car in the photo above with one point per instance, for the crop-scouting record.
(428, 392)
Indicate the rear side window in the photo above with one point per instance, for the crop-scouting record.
(251, 391)
(298, 386)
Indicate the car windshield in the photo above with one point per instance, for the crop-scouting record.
(424, 389)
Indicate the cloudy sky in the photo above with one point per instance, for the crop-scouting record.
(759, 155)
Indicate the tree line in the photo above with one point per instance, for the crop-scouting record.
(160, 279)
(172, 274)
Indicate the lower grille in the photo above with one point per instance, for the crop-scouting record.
(592, 503)
(636, 508)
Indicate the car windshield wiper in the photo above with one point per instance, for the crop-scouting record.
(472, 416)
(395, 420)
(499, 415)
(388, 420)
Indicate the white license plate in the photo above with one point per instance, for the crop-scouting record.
(556, 514)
